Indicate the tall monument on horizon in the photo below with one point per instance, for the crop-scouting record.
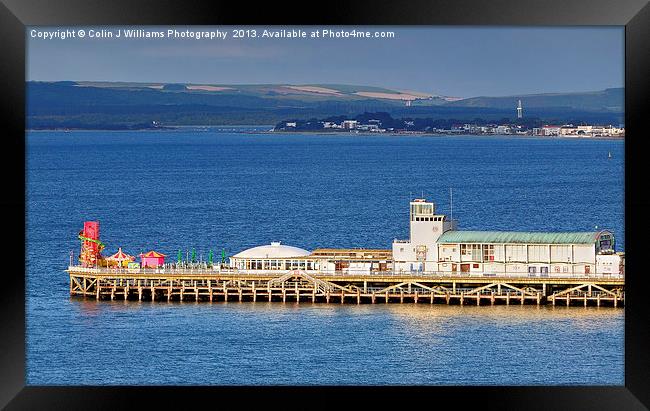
(520, 110)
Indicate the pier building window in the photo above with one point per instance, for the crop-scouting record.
(422, 209)
(471, 252)
(476, 252)
(297, 265)
(488, 252)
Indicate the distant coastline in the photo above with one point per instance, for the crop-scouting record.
(140, 106)
(425, 134)
(207, 128)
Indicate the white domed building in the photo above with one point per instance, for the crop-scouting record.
(275, 256)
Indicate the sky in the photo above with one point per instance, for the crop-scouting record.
(455, 61)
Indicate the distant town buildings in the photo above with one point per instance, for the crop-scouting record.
(350, 124)
(569, 130)
(429, 126)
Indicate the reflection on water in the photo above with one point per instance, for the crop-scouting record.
(291, 343)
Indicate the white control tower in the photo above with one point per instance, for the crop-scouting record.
(420, 252)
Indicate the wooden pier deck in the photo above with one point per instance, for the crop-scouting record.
(299, 286)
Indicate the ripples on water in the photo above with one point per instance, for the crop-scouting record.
(177, 190)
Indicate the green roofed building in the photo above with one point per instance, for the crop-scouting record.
(519, 237)
(435, 245)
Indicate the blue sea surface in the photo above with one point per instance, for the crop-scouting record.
(232, 188)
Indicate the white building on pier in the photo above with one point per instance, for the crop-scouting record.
(436, 246)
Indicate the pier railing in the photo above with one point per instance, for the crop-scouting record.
(202, 271)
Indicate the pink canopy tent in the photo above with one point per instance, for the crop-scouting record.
(152, 259)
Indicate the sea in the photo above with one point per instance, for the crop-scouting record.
(231, 188)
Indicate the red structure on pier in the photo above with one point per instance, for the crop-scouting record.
(91, 247)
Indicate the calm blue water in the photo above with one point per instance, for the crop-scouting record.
(171, 190)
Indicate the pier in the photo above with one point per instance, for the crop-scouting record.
(387, 287)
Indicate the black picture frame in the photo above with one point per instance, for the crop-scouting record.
(16, 14)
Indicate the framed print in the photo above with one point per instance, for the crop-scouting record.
(428, 200)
